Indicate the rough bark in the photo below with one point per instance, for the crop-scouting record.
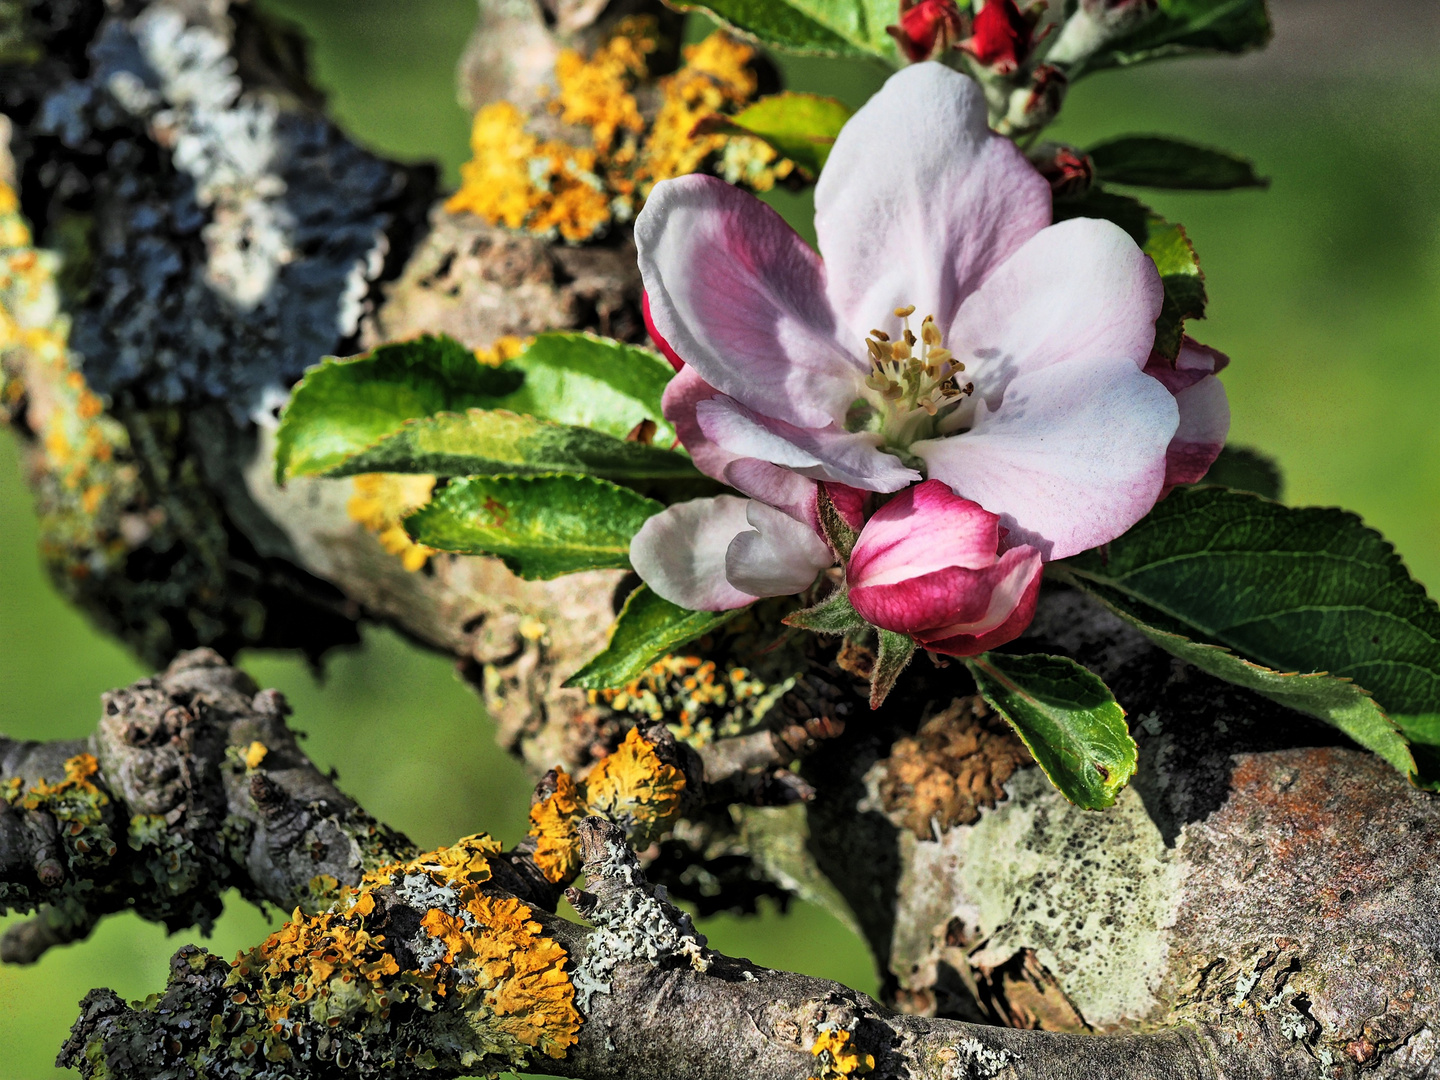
(1262, 902)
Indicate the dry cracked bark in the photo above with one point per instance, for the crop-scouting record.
(1262, 902)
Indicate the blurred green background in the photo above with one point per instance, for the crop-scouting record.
(1325, 291)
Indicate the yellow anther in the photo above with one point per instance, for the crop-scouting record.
(905, 312)
(929, 332)
(880, 335)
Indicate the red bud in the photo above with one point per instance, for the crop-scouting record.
(927, 27)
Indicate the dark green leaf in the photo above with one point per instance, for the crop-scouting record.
(816, 27)
(1244, 469)
(592, 382)
(833, 615)
(891, 658)
(1307, 590)
(1067, 718)
(647, 628)
(802, 127)
(1163, 241)
(341, 407)
(542, 526)
(1151, 161)
(1185, 26)
(489, 441)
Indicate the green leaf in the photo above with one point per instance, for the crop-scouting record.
(541, 526)
(802, 127)
(490, 441)
(815, 27)
(341, 407)
(1244, 469)
(833, 615)
(592, 382)
(1163, 241)
(891, 658)
(1068, 720)
(1293, 590)
(1151, 161)
(647, 628)
(1185, 26)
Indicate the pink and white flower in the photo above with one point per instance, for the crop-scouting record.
(930, 564)
(1025, 390)
(1204, 410)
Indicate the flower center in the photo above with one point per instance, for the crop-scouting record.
(913, 381)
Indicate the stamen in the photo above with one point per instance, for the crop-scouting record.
(913, 377)
(904, 312)
(930, 332)
(880, 335)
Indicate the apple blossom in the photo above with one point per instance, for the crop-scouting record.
(1204, 410)
(1024, 389)
(929, 564)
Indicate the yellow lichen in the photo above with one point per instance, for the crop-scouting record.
(76, 803)
(85, 486)
(837, 1056)
(631, 787)
(701, 700)
(381, 501)
(333, 971)
(255, 754)
(506, 347)
(618, 151)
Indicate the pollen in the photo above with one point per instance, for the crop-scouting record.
(913, 378)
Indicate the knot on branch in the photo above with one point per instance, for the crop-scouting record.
(634, 920)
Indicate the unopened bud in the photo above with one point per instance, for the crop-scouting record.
(1069, 171)
(1004, 36)
(927, 28)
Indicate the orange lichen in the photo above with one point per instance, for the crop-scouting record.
(837, 1056)
(255, 754)
(702, 700)
(617, 150)
(632, 787)
(334, 971)
(552, 823)
(78, 771)
(506, 347)
(381, 502)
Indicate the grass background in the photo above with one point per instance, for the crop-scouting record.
(1325, 290)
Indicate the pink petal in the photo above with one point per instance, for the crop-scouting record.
(1073, 456)
(926, 527)
(736, 293)
(1079, 290)
(1012, 607)
(1204, 411)
(956, 600)
(849, 503)
(660, 343)
(680, 553)
(1204, 423)
(919, 202)
(686, 390)
(779, 558)
(828, 453)
(779, 487)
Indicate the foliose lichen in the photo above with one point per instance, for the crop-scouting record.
(417, 960)
(631, 787)
(632, 131)
(836, 1055)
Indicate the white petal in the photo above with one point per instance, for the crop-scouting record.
(779, 487)
(1080, 290)
(738, 294)
(680, 553)
(1072, 458)
(781, 557)
(919, 201)
(821, 454)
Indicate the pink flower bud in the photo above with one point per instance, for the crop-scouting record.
(1069, 171)
(927, 27)
(929, 564)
